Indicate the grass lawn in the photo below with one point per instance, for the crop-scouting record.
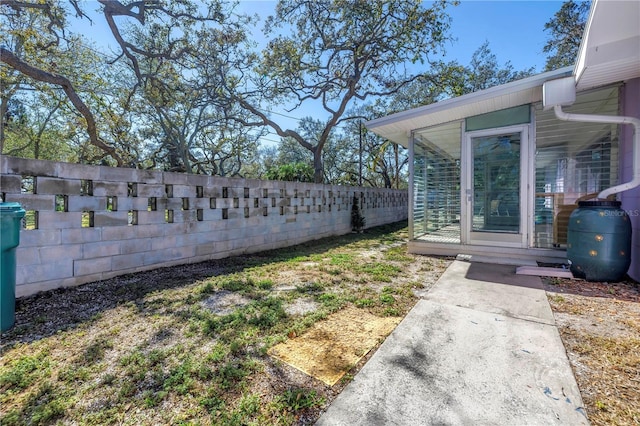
(188, 344)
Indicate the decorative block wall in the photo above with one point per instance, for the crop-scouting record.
(88, 223)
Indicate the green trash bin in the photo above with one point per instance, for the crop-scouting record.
(10, 216)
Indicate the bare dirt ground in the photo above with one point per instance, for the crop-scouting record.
(600, 327)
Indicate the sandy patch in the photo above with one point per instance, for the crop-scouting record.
(224, 302)
(329, 348)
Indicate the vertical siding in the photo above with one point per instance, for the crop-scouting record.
(631, 199)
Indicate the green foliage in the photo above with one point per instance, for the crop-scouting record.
(566, 29)
(23, 372)
(380, 271)
(44, 406)
(387, 299)
(294, 400)
(358, 220)
(363, 303)
(293, 172)
(331, 54)
(397, 254)
(342, 259)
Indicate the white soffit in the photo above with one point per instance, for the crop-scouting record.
(397, 127)
(610, 48)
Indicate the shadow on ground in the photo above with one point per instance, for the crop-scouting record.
(46, 313)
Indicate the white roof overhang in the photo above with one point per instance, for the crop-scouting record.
(610, 48)
(609, 53)
(397, 127)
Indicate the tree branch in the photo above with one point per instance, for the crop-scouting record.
(40, 75)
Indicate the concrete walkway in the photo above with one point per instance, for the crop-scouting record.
(480, 348)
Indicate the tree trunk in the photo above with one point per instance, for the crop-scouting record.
(4, 106)
(318, 169)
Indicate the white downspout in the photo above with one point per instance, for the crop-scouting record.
(592, 118)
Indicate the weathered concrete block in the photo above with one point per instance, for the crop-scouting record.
(77, 171)
(224, 203)
(59, 220)
(170, 203)
(50, 254)
(137, 245)
(40, 237)
(48, 185)
(118, 174)
(33, 201)
(236, 191)
(195, 227)
(200, 203)
(146, 231)
(80, 203)
(101, 249)
(28, 167)
(128, 261)
(164, 242)
(81, 235)
(169, 254)
(147, 217)
(125, 203)
(151, 190)
(117, 218)
(44, 272)
(148, 177)
(197, 180)
(91, 266)
(33, 288)
(102, 188)
(180, 191)
(180, 216)
(205, 249)
(119, 233)
(212, 191)
(221, 181)
(27, 256)
(10, 184)
(169, 178)
(137, 203)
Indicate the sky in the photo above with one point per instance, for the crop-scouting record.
(513, 28)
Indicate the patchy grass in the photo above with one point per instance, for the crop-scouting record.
(151, 348)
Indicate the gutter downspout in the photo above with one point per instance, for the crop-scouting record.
(592, 118)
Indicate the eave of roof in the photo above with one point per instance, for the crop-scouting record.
(610, 47)
(397, 127)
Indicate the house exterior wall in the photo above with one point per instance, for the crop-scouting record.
(631, 198)
(211, 217)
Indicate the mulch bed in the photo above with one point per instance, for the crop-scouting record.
(627, 290)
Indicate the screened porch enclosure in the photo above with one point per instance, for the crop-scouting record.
(574, 162)
(533, 196)
(436, 184)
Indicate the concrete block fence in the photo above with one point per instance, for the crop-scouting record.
(88, 223)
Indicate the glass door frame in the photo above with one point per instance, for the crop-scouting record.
(500, 239)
